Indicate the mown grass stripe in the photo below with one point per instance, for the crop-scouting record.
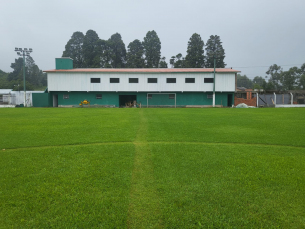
(144, 201)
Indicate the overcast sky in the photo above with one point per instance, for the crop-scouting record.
(254, 33)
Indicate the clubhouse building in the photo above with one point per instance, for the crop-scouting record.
(158, 87)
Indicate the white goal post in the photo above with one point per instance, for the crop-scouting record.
(160, 94)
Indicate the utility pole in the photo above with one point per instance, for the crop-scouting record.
(23, 52)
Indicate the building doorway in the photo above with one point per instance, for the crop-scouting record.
(55, 100)
(230, 100)
(124, 99)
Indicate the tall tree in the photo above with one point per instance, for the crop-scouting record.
(118, 51)
(31, 70)
(244, 81)
(74, 49)
(103, 59)
(302, 77)
(152, 49)
(290, 78)
(90, 49)
(178, 61)
(163, 63)
(17, 70)
(33, 75)
(195, 52)
(259, 80)
(214, 49)
(135, 55)
(275, 73)
(4, 83)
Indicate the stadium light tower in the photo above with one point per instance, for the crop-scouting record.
(23, 52)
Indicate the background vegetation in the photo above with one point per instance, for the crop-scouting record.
(35, 78)
(90, 51)
(276, 79)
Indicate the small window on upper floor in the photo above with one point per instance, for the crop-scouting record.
(210, 96)
(152, 80)
(114, 80)
(98, 96)
(189, 80)
(209, 80)
(66, 96)
(170, 80)
(133, 80)
(95, 80)
(149, 96)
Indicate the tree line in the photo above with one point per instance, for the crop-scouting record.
(89, 51)
(276, 79)
(35, 78)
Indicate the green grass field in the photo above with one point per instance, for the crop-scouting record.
(152, 168)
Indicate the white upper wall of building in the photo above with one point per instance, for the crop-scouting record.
(81, 81)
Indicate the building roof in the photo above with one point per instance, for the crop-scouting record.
(145, 70)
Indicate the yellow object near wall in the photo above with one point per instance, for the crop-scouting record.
(85, 102)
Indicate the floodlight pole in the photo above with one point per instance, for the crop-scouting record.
(23, 52)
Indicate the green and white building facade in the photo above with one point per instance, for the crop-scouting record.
(181, 87)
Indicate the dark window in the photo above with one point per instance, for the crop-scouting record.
(98, 96)
(149, 96)
(66, 96)
(170, 80)
(241, 95)
(209, 80)
(133, 80)
(210, 96)
(152, 80)
(114, 80)
(171, 96)
(95, 80)
(190, 80)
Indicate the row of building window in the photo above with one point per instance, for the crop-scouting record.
(149, 96)
(152, 80)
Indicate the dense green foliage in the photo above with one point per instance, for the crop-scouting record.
(91, 52)
(90, 49)
(177, 61)
(152, 49)
(118, 58)
(244, 81)
(279, 80)
(4, 83)
(195, 53)
(215, 50)
(135, 55)
(274, 72)
(34, 77)
(163, 63)
(74, 49)
(105, 54)
(152, 168)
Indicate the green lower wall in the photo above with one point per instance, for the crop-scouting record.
(112, 98)
(41, 100)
